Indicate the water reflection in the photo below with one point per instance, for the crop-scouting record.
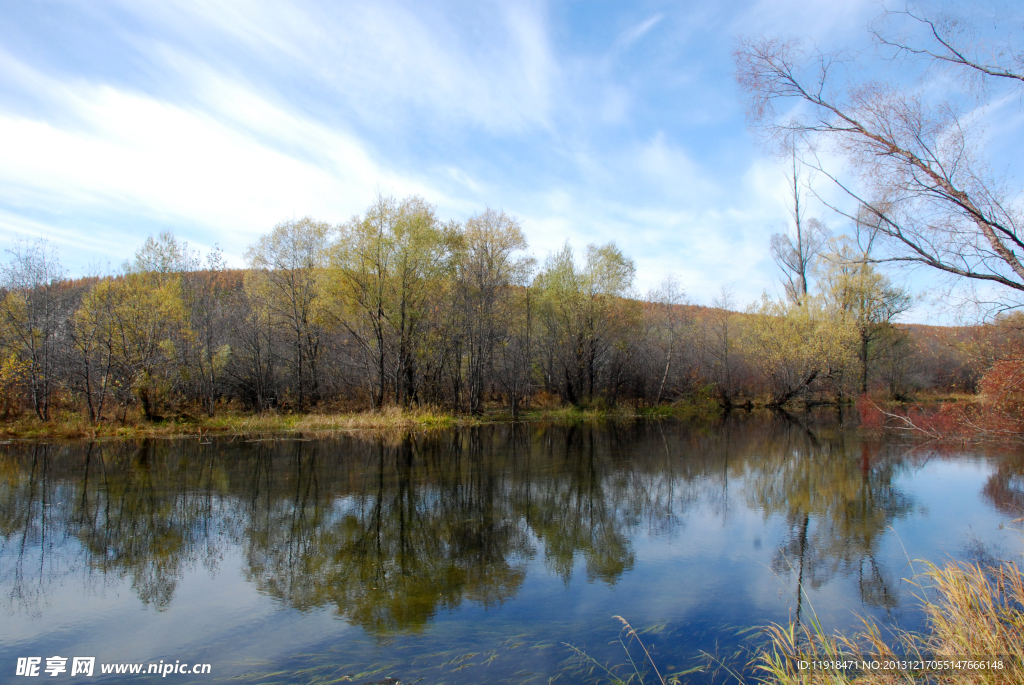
(388, 532)
(1005, 488)
(848, 492)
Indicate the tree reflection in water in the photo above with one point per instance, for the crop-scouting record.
(838, 499)
(1005, 488)
(388, 531)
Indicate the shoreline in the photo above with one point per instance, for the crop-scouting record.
(72, 426)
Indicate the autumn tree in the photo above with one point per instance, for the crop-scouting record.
(917, 165)
(253, 369)
(865, 299)
(723, 360)
(33, 314)
(93, 344)
(288, 266)
(148, 318)
(361, 268)
(487, 270)
(143, 317)
(391, 269)
(423, 267)
(584, 314)
(795, 346)
(513, 364)
(207, 351)
(669, 322)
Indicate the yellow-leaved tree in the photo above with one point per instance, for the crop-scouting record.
(390, 269)
(796, 345)
(584, 317)
(138, 315)
(866, 300)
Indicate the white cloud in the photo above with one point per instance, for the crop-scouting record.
(709, 237)
(385, 60)
(675, 175)
(235, 169)
(219, 118)
(799, 18)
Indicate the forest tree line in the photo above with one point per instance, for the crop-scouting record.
(398, 307)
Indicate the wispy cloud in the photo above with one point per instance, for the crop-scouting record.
(220, 118)
(382, 61)
(636, 32)
(236, 166)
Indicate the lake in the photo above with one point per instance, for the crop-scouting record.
(478, 555)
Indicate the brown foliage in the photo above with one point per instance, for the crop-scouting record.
(997, 411)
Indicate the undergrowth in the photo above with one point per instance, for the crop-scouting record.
(974, 613)
(72, 425)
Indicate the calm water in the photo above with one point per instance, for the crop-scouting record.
(472, 556)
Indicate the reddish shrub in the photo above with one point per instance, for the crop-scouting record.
(999, 410)
(1002, 396)
(871, 416)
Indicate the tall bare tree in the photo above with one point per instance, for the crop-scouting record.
(795, 252)
(668, 302)
(918, 167)
(723, 359)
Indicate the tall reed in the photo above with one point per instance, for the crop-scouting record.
(974, 614)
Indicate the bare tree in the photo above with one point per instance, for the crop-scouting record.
(205, 295)
(720, 347)
(253, 368)
(92, 348)
(486, 272)
(668, 301)
(950, 42)
(919, 169)
(289, 263)
(795, 253)
(32, 316)
(514, 353)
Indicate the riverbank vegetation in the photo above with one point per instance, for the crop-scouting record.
(399, 309)
(975, 634)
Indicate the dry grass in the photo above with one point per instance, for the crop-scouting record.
(74, 426)
(68, 425)
(973, 613)
(639, 669)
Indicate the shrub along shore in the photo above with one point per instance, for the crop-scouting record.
(398, 308)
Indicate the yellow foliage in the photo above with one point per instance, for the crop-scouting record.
(13, 372)
(796, 345)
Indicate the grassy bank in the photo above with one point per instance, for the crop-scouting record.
(72, 425)
(974, 614)
(975, 634)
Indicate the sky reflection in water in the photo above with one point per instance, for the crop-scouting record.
(472, 555)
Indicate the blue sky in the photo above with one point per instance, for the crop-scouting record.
(590, 121)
